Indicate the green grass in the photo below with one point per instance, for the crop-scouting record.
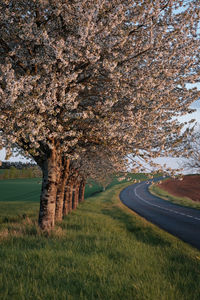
(20, 189)
(101, 251)
(92, 189)
(185, 201)
(28, 189)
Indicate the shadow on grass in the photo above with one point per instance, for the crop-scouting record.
(143, 234)
(89, 195)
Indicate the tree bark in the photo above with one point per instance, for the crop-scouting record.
(76, 195)
(51, 174)
(73, 197)
(61, 190)
(70, 198)
(82, 191)
(67, 204)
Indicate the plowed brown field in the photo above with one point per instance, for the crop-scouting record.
(188, 187)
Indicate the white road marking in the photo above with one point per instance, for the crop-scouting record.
(164, 208)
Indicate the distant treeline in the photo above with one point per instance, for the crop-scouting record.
(16, 164)
(19, 170)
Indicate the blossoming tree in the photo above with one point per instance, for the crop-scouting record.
(96, 164)
(191, 154)
(110, 73)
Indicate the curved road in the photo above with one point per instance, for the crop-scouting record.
(180, 221)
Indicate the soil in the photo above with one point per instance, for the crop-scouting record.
(188, 187)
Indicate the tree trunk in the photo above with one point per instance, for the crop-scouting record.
(73, 197)
(76, 195)
(67, 204)
(51, 174)
(70, 199)
(82, 191)
(61, 190)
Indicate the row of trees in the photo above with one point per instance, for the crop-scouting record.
(13, 172)
(69, 194)
(70, 180)
(84, 84)
(16, 164)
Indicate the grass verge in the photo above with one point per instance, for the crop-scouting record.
(101, 251)
(185, 201)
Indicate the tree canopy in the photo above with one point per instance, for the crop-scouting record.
(80, 76)
(191, 155)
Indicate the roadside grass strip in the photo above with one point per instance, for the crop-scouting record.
(100, 251)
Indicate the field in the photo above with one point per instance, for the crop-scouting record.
(100, 251)
(185, 192)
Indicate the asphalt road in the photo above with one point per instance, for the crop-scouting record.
(180, 221)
